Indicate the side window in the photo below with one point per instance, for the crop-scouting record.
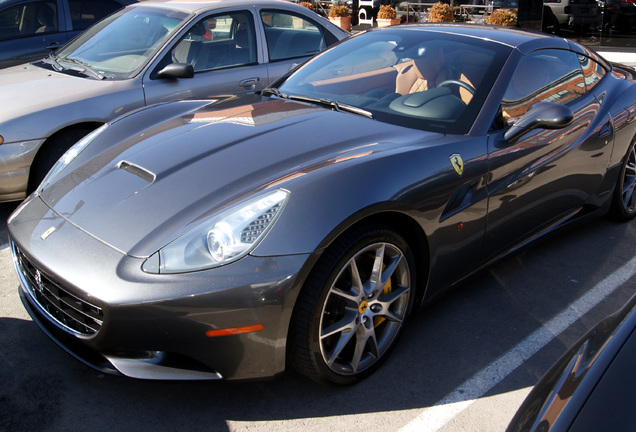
(218, 41)
(543, 76)
(28, 19)
(84, 13)
(592, 71)
(290, 36)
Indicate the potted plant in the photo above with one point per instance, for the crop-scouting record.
(503, 17)
(308, 5)
(387, 16)
(339, 15)
(440, 12)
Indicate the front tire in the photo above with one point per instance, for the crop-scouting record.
(353, 306)
(623, 207)
(52, 150)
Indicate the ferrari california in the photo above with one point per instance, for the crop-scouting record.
(231, 238)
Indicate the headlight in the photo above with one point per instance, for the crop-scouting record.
(221, 240)
(69, 155)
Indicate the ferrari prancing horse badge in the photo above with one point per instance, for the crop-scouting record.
(457, 163)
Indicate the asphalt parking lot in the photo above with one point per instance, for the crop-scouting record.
(463, 364)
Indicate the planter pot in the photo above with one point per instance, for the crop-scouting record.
(382, 22)
(342, 22)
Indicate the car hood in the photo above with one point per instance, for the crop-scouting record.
(26, 87)
(144, 191)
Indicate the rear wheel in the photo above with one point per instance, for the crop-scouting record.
(624, 200)
(353, 306)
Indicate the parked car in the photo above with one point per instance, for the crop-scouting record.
(618, 16)
(577, 14)
(228, 238)
(31, 29)
(147, 53)
(591, 387)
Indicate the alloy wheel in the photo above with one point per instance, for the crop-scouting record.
(364, 309)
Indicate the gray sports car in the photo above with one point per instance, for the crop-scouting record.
(229, 238)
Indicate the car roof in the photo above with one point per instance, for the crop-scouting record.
(12, 2)
(197, 5)
(523, 40)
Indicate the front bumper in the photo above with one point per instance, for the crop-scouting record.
(151, 326)
(15, 162)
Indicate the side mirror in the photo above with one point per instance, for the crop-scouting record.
(176, 71)
(542, 115)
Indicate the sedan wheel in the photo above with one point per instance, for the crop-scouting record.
(624, 203)
(353, 306)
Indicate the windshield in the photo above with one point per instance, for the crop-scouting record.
(121, 44)
(413, 77)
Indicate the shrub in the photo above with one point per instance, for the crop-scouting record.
(338, 11)
(502, 17)
(307, 5)
(386, 12)
(440, 12)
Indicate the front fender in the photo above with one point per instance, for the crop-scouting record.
(417, 181)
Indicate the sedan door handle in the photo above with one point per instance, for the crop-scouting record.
(249, 84)
(53, 46)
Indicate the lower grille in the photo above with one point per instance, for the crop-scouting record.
(69, 311)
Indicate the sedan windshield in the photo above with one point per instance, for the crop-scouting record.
(119, 46)
(422, 79)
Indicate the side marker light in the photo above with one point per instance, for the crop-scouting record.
(235, 330)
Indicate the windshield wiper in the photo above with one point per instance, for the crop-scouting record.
(50, 59)
(355, 110)
(332, 104)
(86, 69)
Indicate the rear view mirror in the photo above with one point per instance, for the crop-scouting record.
(176, 71)
(542, 115)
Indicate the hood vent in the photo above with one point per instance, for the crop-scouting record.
(140, 172)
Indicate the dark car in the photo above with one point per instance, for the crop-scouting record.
(229, 238)
(31, 29)
(618, 16)
(591, 388)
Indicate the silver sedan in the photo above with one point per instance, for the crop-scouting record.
(146, 53)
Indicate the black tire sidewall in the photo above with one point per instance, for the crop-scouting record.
(316, 290)
(50, 152)
(618, 210)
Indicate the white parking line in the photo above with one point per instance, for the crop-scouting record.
(432, 419)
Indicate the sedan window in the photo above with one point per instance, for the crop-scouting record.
(28, 19)
(85, 13)
(291, 36)
(216, 42)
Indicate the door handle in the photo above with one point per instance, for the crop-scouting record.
(606, 130)
(249, 84)
(53, 46)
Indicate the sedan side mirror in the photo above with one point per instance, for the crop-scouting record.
(176, 70)
(542, 115)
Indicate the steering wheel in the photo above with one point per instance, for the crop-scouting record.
(462, 84)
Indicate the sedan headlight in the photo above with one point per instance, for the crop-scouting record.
(69, 155)
(221, 240)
